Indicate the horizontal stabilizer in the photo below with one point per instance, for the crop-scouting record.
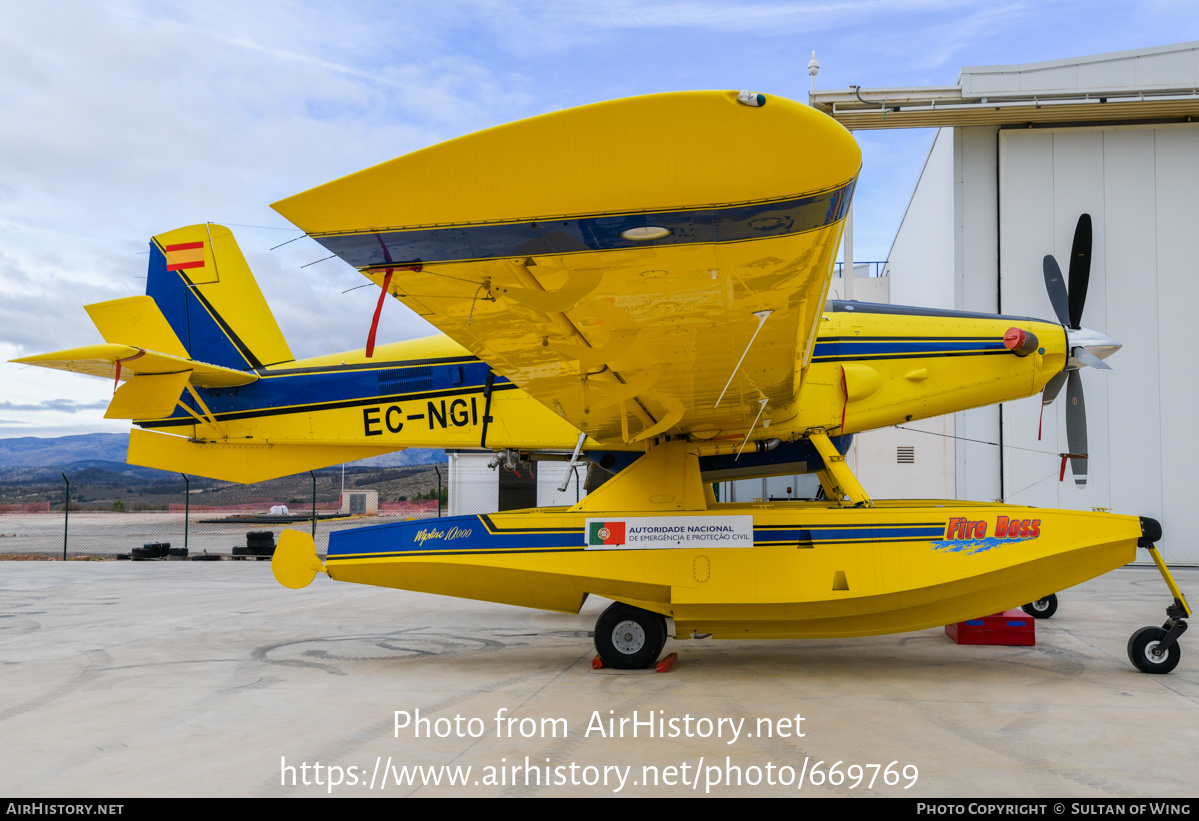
(244, 463)
(147, 397)
(136, 320)
(101, 360)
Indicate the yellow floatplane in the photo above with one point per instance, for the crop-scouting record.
(640, 286)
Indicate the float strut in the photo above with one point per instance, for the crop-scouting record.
(836, 476)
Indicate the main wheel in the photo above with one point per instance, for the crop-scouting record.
(1042, 608)
(1141, 645)
(629, 638)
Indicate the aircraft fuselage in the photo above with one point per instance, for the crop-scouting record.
(872, 365)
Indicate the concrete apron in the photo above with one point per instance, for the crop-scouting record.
(209, 679)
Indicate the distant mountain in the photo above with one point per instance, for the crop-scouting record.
(34, 451)
(401, 458)
(62, 451)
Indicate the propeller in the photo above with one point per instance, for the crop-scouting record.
(1087, 347)
(1068, 305)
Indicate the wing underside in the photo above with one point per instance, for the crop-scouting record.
(655, 265)
(637, 342)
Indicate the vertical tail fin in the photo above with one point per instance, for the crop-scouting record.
(204, 288)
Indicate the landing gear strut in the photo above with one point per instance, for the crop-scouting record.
(1155, 649)
(629, 638)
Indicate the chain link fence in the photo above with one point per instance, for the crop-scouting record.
(92, 515)
(189, 517)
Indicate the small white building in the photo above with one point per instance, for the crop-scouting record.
(360, 503)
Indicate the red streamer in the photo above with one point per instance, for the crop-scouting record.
(370, 338)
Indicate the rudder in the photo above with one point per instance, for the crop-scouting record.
(200, 281)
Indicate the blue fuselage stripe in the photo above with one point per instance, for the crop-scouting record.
(303, 391)
(837, 349)
(478, 535)
(300, 390)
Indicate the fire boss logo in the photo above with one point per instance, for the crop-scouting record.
(964, 529)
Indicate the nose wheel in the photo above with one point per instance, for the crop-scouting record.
(629, 638)
(1149, 651)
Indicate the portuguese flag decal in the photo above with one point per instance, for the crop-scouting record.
(604, 533)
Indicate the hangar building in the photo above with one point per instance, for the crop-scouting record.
(1020, 153)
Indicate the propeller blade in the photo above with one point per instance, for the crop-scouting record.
(1076, 428)
(1087, 358)
(1080, 269)
(1056, 286)
(1053, 388)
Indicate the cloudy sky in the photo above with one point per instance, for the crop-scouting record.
(119, 120)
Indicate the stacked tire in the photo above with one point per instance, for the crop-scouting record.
(260, 544)
(151, 551)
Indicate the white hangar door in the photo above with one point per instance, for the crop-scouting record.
(1140, 184)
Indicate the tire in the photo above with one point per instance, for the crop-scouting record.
(1042, 608)
(629, 638)
(1140, 645)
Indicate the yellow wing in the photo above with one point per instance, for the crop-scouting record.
(644, 266)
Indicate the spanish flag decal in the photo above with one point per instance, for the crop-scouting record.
(185, 255)
(602, 533)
